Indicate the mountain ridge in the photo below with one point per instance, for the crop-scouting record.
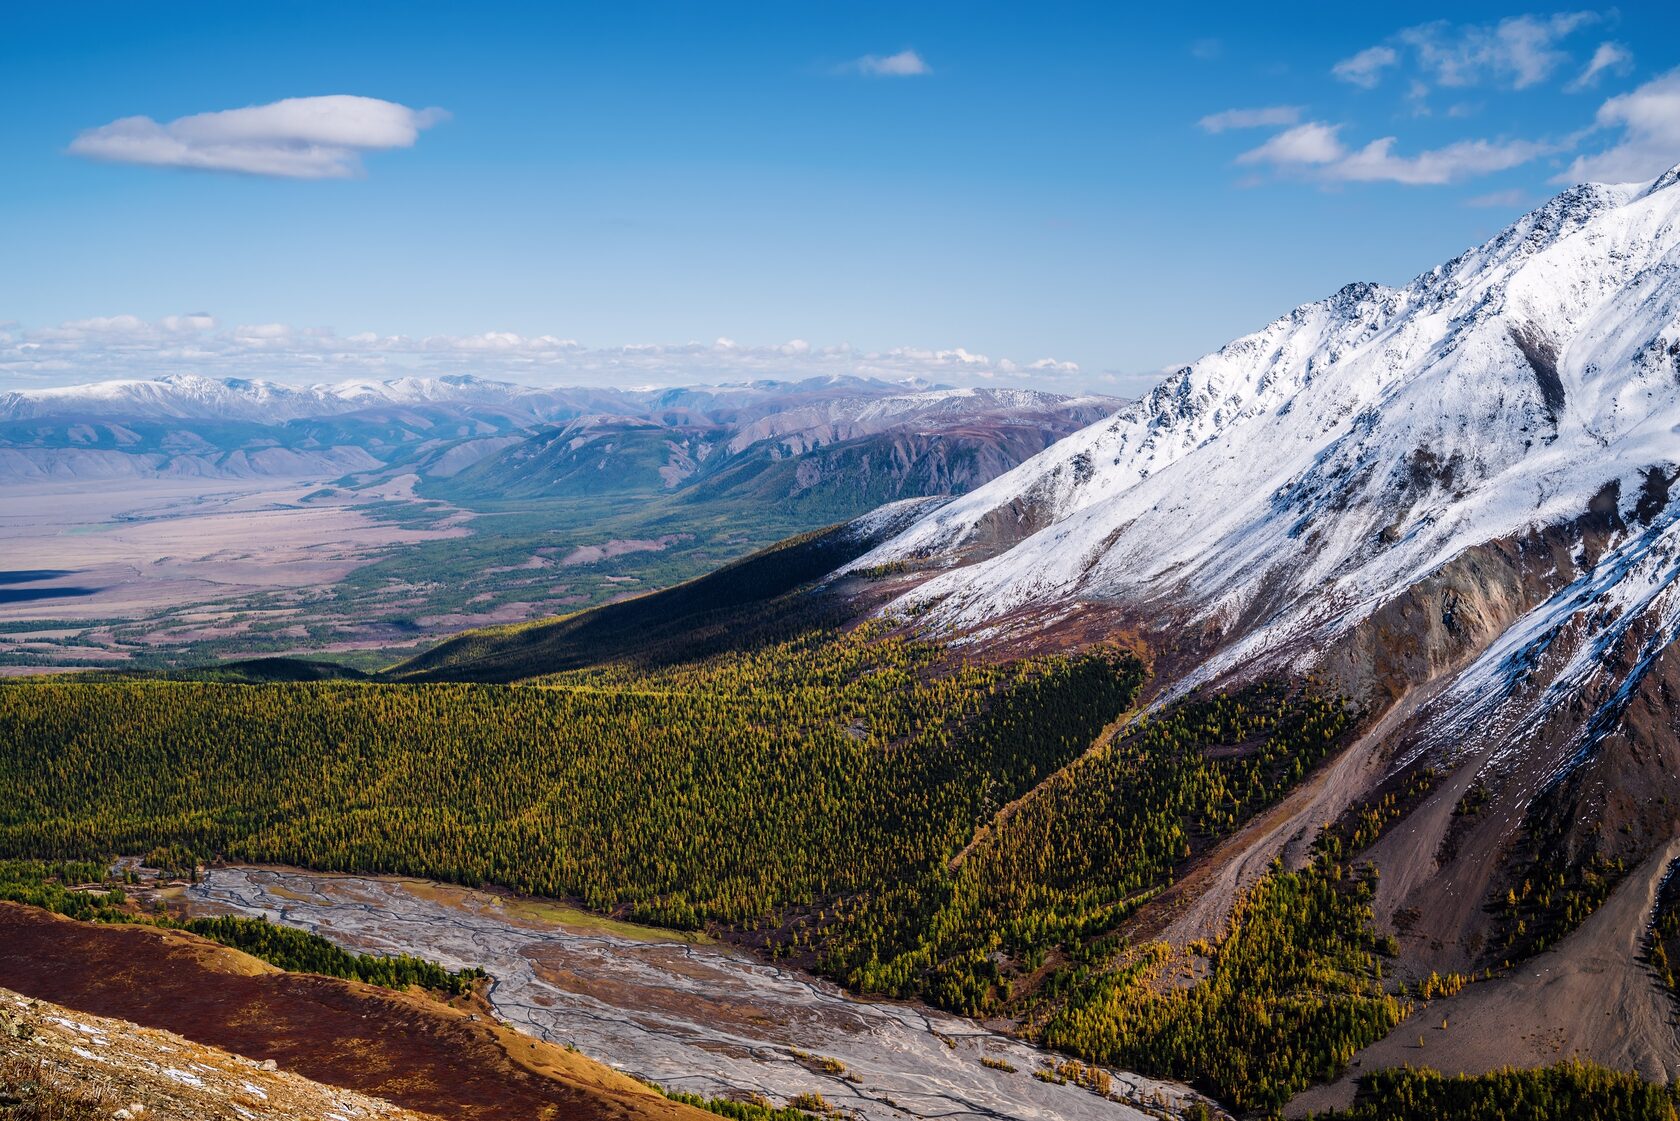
(1357, 358)
(190, 425)
(1448, 502)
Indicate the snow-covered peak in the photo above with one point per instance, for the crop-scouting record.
(1290, 482)
(192, 396)
(1245, 379)
(836, 418)
(1664, 181)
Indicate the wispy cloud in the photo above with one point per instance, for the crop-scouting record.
(1310, 145)
(1609, 58)
(1366, 68)
(905, 64)
(296, 138)
(1454, 163)
(1207, 50)
(1646, 123)
(1269, 117)
(1316, 149)
(1639, 131)
(129, 346)
(1518, 52)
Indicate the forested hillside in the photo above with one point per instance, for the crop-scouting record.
(876, 807)
(720, 790)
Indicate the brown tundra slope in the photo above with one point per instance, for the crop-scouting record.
(72, 1066)
(409, 1050)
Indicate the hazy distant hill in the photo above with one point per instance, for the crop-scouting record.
(540, 442)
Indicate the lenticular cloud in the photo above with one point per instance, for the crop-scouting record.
(296, 138)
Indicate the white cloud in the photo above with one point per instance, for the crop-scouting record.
(1206, 50)
(1315, 149)
(1649, 140)
(1377, 163)
(296, 138)
(1365, 69)
(904, 64)
(1609, 58)
(1269, 117)
(128, 346)
(1311, 144)
(1641, 128)
(1520, 51)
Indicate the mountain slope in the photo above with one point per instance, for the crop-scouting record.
(751, 601)
(409, 1050)
(1356, 444)
(72, 1066)
(1448, 502)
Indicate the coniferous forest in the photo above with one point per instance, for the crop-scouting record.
(906, 821)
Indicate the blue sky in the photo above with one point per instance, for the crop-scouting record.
(959, 190)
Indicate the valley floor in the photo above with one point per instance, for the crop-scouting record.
(142, 574)
(697, 1018)
(102, 574)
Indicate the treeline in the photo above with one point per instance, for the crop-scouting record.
(1293, 985)
(1553, 879)
(725, 790)
(1090, 845)
(1663, 939)
(1570, 1091)
(739, 1111)
(49, 886)
(1032, 921)
(299, 951)
(1283, 999)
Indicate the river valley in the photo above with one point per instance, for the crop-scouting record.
(685, 1013)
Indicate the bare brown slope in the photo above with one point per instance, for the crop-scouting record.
(66, 1065)
(1391, 665)
(406, 1049)
(1589, 997)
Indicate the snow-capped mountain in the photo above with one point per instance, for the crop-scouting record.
(1449, 503)
(193, 397)
(817, 422)
(841, 452)
(785, 404)
(1292, 482)
(188, 425)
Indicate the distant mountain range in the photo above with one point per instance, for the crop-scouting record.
(843, 443)
(192, 397)
(832, 455)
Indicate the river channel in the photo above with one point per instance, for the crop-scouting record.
(688, 1015)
